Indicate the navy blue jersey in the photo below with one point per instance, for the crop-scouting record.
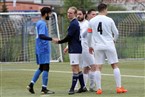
(74, 44)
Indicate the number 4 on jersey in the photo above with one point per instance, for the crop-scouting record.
(99, 28)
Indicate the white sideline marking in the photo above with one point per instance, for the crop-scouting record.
(131, 76)
(44, 95)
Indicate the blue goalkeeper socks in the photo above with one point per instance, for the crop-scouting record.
(36, 76)
(44, 78)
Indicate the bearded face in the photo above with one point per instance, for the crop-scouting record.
(80, 19)
(80, 16)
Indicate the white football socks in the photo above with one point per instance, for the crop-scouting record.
(98, 79)
(92, 80)
(85, 78)
(117, 77)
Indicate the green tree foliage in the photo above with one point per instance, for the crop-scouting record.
(115, 8)
(86, 4)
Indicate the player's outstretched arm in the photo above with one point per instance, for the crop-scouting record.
(43, 37)
(66, 39)
(115, 31)
(55, 40)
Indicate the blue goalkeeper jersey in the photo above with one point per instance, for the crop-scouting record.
(42, 46)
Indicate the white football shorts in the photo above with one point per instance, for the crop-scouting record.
(74, 59)
(87, 58)
(103, 52)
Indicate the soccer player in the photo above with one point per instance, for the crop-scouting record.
(74, 50)
(90, 14)
(100, 30)
(42, 52)
(88, 63)
(86, 69)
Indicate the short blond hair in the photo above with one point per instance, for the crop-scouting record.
(74, 8)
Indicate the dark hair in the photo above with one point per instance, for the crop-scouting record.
(82, 10)
(45, 10)
(90, 10)
(101, 7)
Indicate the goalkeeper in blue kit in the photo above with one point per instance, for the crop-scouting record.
(42, 50)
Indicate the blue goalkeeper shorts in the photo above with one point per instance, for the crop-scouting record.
(43, 58)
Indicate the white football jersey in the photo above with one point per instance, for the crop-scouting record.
(87, 59)
(102, 30)
(83, 33)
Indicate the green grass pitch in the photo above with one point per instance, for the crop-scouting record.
(14, 77)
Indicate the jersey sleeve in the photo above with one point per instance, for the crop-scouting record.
(89, 35)
(84, 30)
(41, 28)
(114, 30)
(66, 39)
